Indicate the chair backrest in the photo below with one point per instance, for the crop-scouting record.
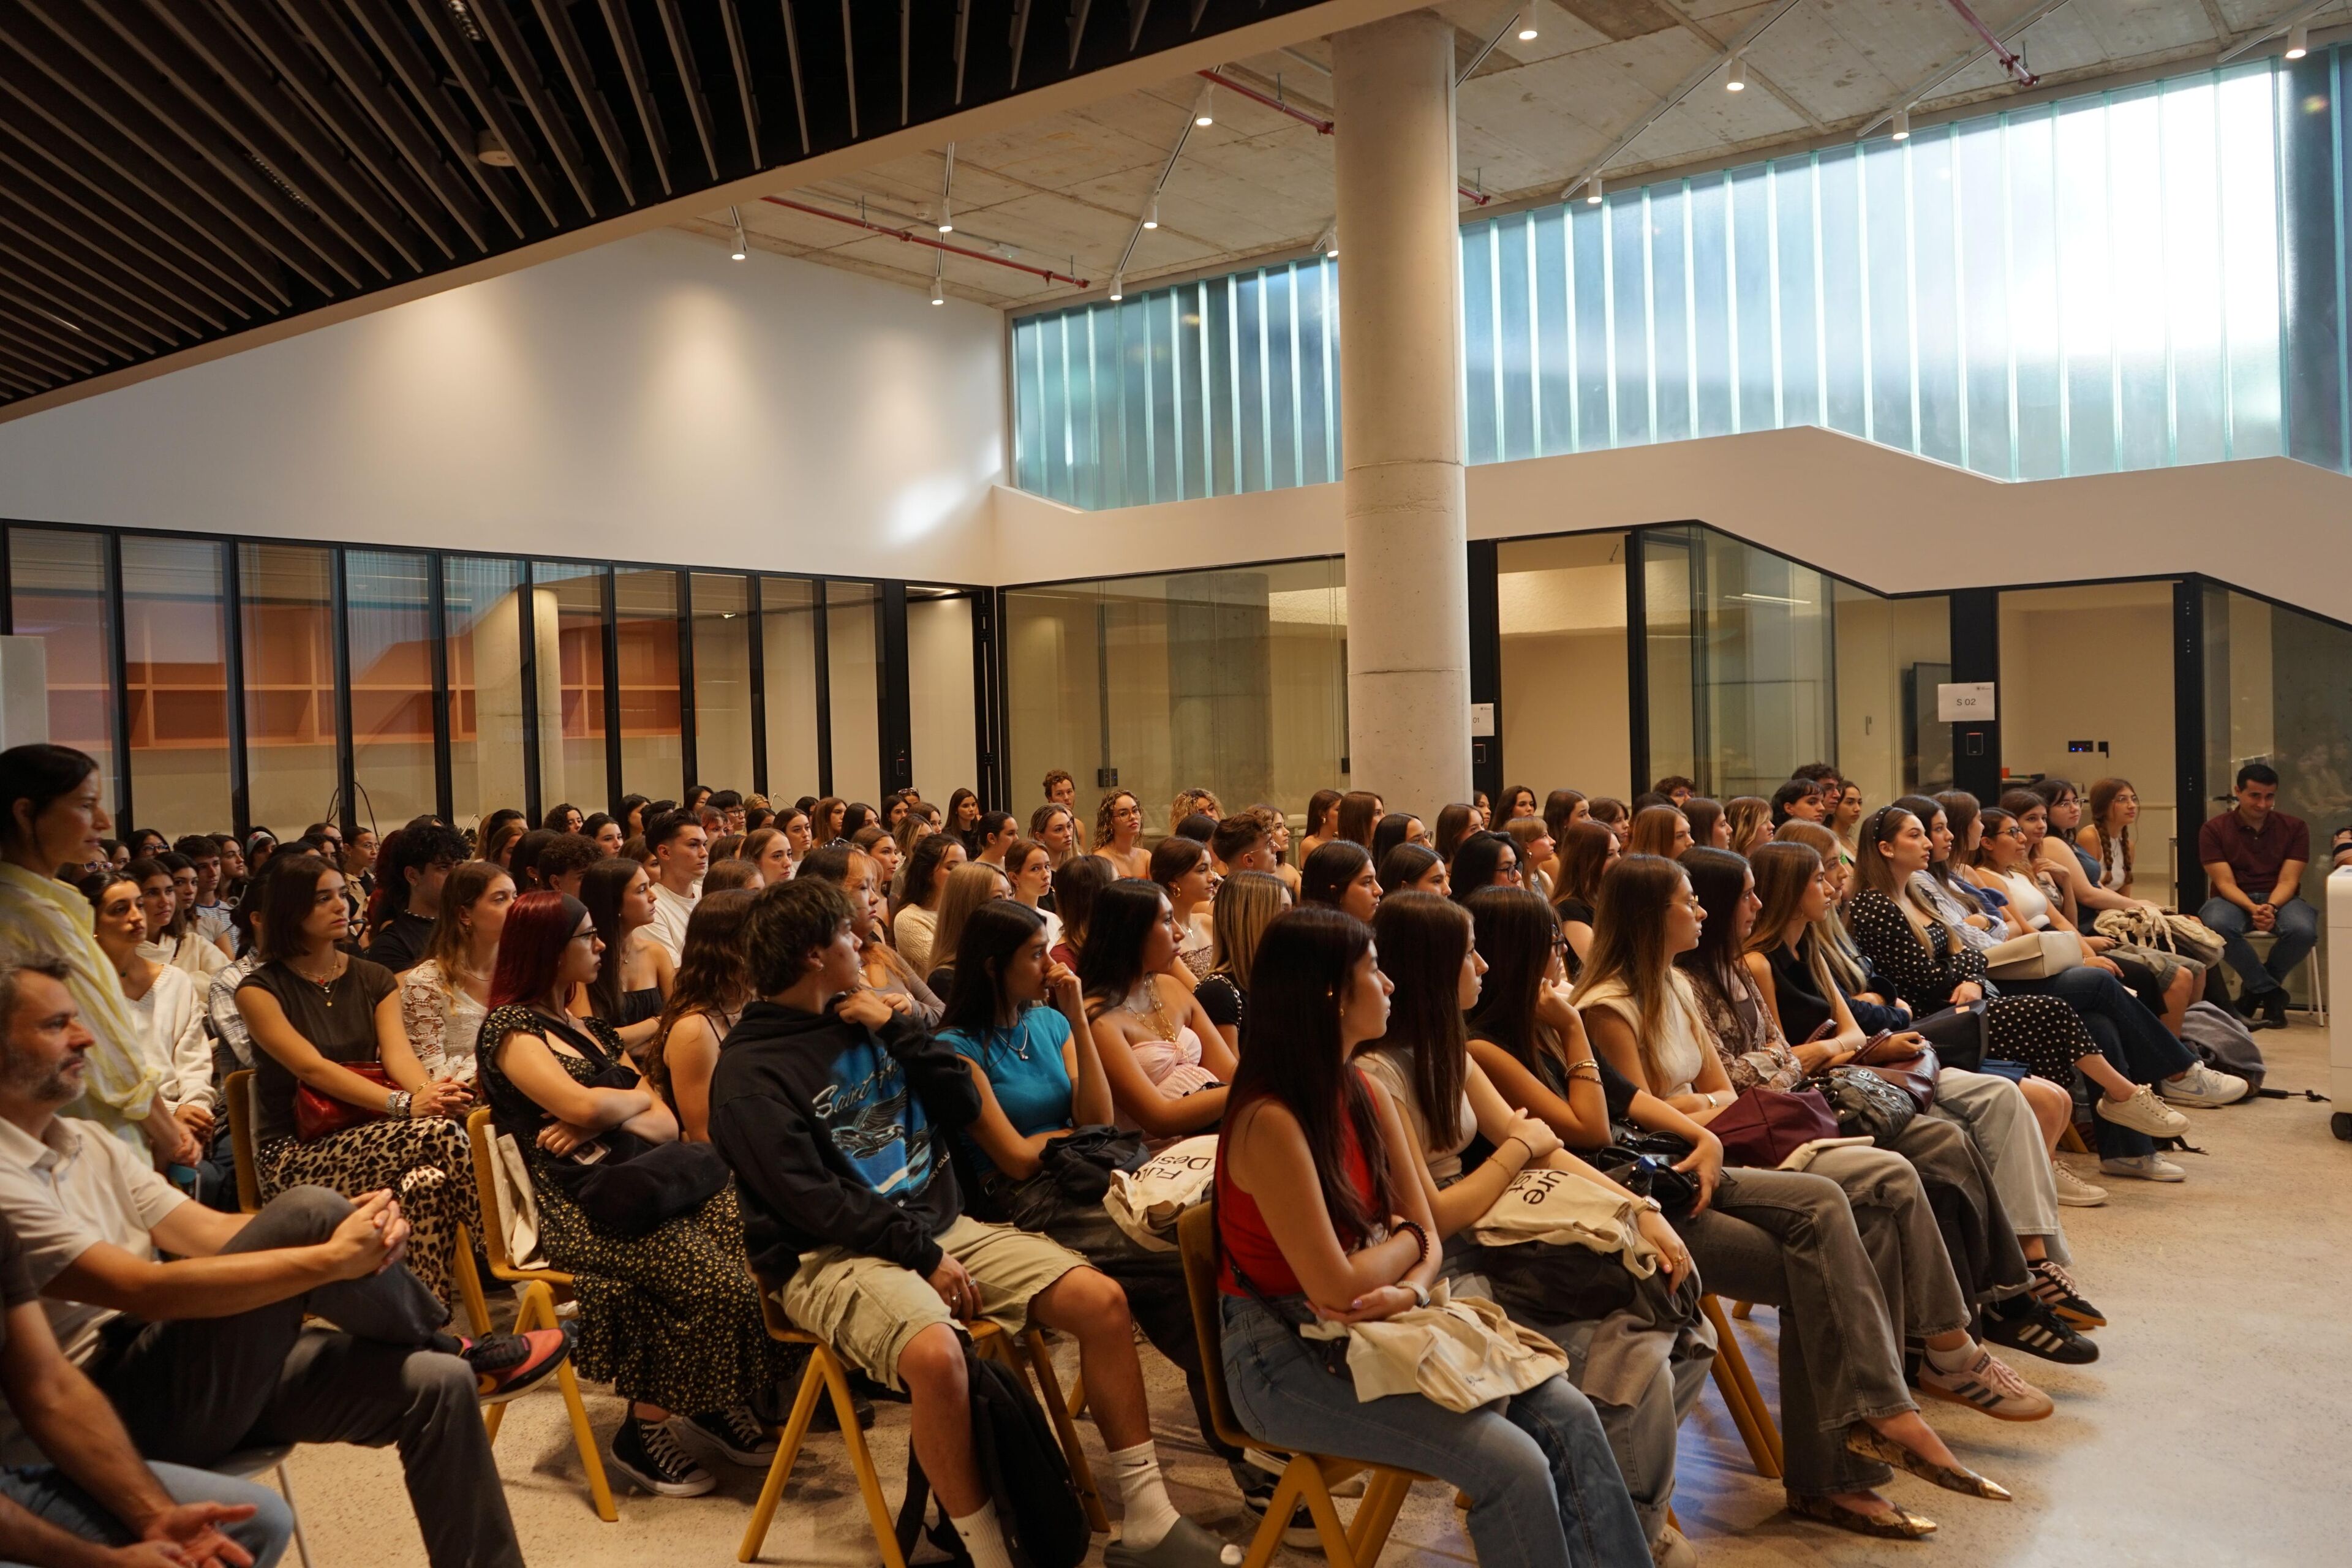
(236, 1093)
(478, 1133)
(1196, 1240)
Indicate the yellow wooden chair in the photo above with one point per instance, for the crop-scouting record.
(828, 1376)
(1306, 1477)
(540, 1288)
(1749, 1411)
(237, 1096)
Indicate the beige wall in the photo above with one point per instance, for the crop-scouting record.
(1878, 641)
(940, 710)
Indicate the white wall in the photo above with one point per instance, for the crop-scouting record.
(1881, 517)
(649, 400)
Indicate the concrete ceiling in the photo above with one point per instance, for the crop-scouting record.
(1062, 196)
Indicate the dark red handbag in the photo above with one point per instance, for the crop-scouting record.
(1765, 1126)
(318, 1116)
(1911, 1071)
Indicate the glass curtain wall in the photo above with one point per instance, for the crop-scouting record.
(175, 676)
(57, 593)
(791, 655)
(288, 594)
(2087, 693)
(2107, 282)
(943, 719)
(483, 596)
(1231, 680)
(853, 660)
(653, 761)
(1565, 716)
(2276, 692)
(388, 602)
(722, 678)
(568, 653)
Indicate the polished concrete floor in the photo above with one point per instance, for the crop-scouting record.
(2216, 1428)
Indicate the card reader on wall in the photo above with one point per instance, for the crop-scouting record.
(2083, 746)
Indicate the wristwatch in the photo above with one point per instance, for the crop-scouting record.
(1653, 1204)
(1420, 1293)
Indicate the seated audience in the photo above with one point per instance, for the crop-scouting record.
(2255, 854)
(996, 833)
(1360, 812)
(604, 831)
(1193, 803)
(1245, 905)
(681, 849)
(50, 816)
(1799, 798)
(1518, 801)
(162, 1000)
(1413, 867)
(934, 860)
(1181, 869)
(1323, 821)
(768, 852)
(444, 999)
(875, 841)
(167, 889)
(1029, 872)
(969, 886)
(670, 1314)
(711, 992)
(1484, 859)
(1585, 857)
(1612, 814)
(1060, 788)
(1055, 825)
(635, 973)
(1397, 827)
(1708, 825)
(210, 908)
(1118, 827)
(1076, 883)
(1676, 788)
(193, 1322)
(1454, 823)
(1538, 853)
(964, 819)
(1352, 1236)
(886, 971)
(1166, 1063)
(338, 1099)
(1750, 818)
(563, 817)
(1340, 876)
(855, 1211)
(1660, 830)
(416, 860)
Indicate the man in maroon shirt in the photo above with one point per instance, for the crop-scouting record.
(2253, 856)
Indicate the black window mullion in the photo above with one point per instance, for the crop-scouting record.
(986, 698)
(527, 628)
(1637, 660)
(240, 773)
(755, 585)
(895, 689)
(1486, 662)
(612, 691)
(346, 761)
(437, 595)
(118, 676)
(824, 673)
(2190, 787)
(688, 760)
(7, 585)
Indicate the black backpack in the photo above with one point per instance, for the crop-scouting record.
(1021, 1467)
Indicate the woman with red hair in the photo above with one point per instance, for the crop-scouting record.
(646, 1224)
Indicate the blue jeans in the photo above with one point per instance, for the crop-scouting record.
(1545, 1488)
(2296, 931)
(2128, 1035)
(46, 1493)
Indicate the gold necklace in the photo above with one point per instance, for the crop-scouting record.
(1161, 1028)
(326, 987)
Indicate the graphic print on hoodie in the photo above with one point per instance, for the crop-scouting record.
(875, 1122)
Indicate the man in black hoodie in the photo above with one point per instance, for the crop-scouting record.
(835, 1113)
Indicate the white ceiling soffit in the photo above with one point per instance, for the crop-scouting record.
(1057, 197)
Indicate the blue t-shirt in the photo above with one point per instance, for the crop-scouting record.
(1024, 1064)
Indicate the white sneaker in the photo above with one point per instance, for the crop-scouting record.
(2143, 1112)
(2146, 1167)
(1989, 1384)
(2074, 1193)
(1670, 1550)
(2203, 1086)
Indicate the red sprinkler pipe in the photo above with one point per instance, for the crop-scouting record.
(2010, 62)
(1322, 127)
(1049, 276)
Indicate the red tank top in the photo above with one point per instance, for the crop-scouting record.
(1241, 1224)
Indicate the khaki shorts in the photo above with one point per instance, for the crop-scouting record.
(868, 1308)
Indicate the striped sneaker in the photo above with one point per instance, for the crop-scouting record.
(2055, 1288)
(1987, 1384)
(2024, 1322)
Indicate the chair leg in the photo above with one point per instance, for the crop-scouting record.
(861, 1463)
(1749, 1412)
(1376, 1515)
(527, 1318)
(583, 1437)
(1740, 1309)
(1268, 1539)
(1041, 1361)
(788, 1448)
(286, 1490)
(469, 1284)
(2071, 1139)
(1339, 1549)
(1077, 1396)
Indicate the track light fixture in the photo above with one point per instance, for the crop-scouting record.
(1592, 191)
(1204, 111)
(1152, 216)
(947, 217)
(1327, 242)
(938, 292)
(1118, 286)
(2299, 41)
(742, 249)
(1527, 26)
(1903, 125)
(1736, 79)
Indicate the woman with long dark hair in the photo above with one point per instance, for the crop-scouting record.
(1484, 860)
(1076, 882)
(886, 971)
(1165, 1062)
(1413, 868)
(670, 1314)
(1456, 823)
(1360, 812)
(1585, 856)
(712, 988)
(1659, 830)
(323, 1022)
(934, 860)
(166, 1002)
(964, 820)
(1323, 1212)
(1708, 825)
(1396, 828)
(1447, 1103)
(446, 996)
(635, 975)
(1322, 821)
(1246, 904)
(1182, 868)
(1338, 875)
(1984, 1248)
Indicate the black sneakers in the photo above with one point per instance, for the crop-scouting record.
(736, 1433)
(2025, 1323)
(649, 1454)
(2055, 1288)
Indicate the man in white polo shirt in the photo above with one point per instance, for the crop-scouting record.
(681, 853)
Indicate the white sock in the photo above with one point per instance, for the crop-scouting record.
(1959, 1360)
(1147, 1516)
(984, 1537)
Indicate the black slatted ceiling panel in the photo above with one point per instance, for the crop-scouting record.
(177, 171)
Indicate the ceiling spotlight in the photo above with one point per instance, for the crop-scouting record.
(1592, 191)
(947, 216)
(742, 248)
(1736, 79)
(1118, 286)
(1903, 125)
(1152, 216)
(489, 150)
(2299, 41)
(1527, 30)
(938, 292)
(1327, 242)
(1204, 108)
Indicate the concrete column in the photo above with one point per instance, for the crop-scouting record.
(1401, 423)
